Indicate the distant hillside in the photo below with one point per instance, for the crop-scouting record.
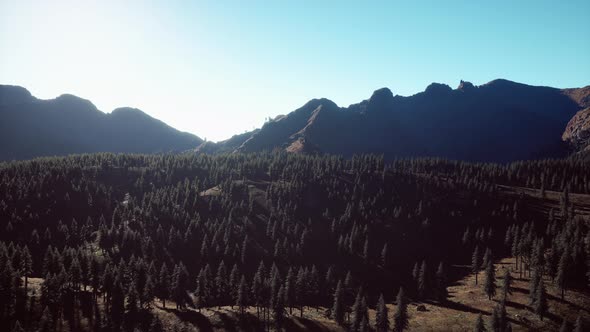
(499, 121)
(30, 127)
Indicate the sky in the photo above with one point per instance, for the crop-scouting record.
(219, 68)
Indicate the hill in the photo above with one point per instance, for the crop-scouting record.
(30, 128)
(500, 121)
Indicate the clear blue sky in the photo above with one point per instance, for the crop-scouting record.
(218, 68)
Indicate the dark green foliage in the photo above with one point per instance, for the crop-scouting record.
(580, 324)
(490, 282)
(242, 295)
(338, 309)
(564, 326)
(540, 303)
(423, 287)
(400, 317)
(475, 263)
(441, 283)
(121, 230)
(279, 308)
(381, 319)
(506, 285)
(479, 324)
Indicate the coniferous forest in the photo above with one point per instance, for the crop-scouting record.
(99, 242)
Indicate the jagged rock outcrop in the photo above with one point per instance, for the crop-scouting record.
(577, 132)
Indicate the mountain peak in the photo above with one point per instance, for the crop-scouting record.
(75, 102)
(437, 88)
(14, 94)
(465, 86)
(380, 100)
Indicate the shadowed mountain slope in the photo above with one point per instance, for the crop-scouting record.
(30, 127)
(499, 121)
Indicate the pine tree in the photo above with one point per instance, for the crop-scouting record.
(279, 308)
(381, 319)
(495, 323)
(562, 272)
(564, 327)
(479, 325)
(163, 289)
(475, 263)
(423, 280)
(541, 300)
(357, 311)
(117, 307)
(337, 311)
(221, 285)
(156, 325)
(17, 327)
(506, 285)
(147, 296)
(46, 323)
(132, 306)
(242, 295)
(490, 282)
(502, 315)
(179, 283)
(290, 289)
(26, 266)
(534, 282)
(301, 289)
(385, 256)
(400, 318)
(441, 283)
(579, 326)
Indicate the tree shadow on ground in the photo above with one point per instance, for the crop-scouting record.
(235, 322)
(197, 319)
(458, 306)
(303, 324)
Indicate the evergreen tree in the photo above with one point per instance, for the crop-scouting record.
(564, 326)
(381, 319)
(490, 282)
(156, 325)
(534, 282)
(495, 324)
(337, 311)
(562, 270)
(163, 289)
(475, 263)
(279, 308)
(17, 327)
(357, 311)
(26, 266)
(423, 280)
(479, 324)
(147, 296)
(441, 283)
(400, 318)
(540, 303)
(242, 295)
(179, 286)
(506, 285)
(579, 326)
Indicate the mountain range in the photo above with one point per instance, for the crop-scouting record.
(500, 121)
(30, 127)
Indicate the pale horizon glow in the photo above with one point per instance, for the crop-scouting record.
(220, 68)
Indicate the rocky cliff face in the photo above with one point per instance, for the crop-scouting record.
(577, 132)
